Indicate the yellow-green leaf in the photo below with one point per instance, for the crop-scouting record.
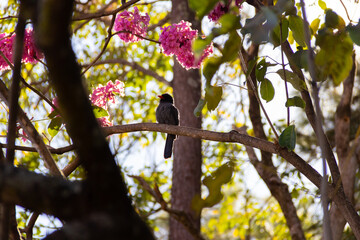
(54, 126)
(297, 28)
(295, 102)
(322, 4)
(213, 96)
(292, 78)
(314, 26)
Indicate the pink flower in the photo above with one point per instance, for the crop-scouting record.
(104, 122)
(131, 22)
(23, 135)
(219, 10)
(30, 55)
(6, 46)
(104, 94)
(55, 102)
(239, 3)
(177, 40)
(207, 51)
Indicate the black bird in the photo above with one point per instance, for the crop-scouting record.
(167, 113)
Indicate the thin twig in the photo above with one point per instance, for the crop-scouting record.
(102, 13)
(104, 47)
(8, 17)
(134, 66)
(346, 11)
(180, 216)
(42, 96)
(58, 151)
(244, 68)
(284, 72)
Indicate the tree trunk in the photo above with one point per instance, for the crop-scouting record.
(347, 157)
(187, 151)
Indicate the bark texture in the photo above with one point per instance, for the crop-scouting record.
(346, 156)
(187, 151)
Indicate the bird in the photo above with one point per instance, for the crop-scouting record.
(167, 113)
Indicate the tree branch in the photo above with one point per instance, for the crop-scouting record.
(48, 194)
(134, 66)
(102, 13)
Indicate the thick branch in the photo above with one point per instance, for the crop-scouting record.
(232, 136)
(51, 195)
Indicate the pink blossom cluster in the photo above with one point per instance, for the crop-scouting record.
(6, 47)
(131, 22)
(221, 8)
(104, 94)
(177, 40)
(30, 55)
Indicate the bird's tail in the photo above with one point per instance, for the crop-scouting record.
(169, 145)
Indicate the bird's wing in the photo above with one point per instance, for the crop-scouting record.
(175, 114)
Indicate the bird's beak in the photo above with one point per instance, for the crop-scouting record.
(160, 96)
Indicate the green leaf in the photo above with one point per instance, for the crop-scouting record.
(287, 138)
(199, 107)
(213, 182)
(54, 126)
(331, 19)
(199, 45)
(211, 66)
(297, 28)
(260, 70)
(267, 90)
(100, 112)
(322, 5)
(213, 96)
(335, 56)
(292, 78)
(221, 176)
(229, 22)
(300, 58)
(354, 33)
(231, 47)
(275, 33)
(202, 7)
(53, 114)
(295, 102)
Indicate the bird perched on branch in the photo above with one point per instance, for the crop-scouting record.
(167, 113)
